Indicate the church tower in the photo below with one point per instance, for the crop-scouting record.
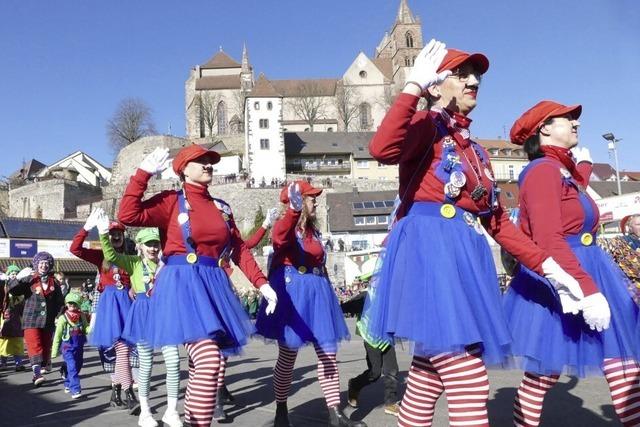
(403, 43)
(246, 73)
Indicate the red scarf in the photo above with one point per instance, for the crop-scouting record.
(564, 156)
(72, 316)
(37, 287)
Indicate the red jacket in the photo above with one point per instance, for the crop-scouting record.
(551, 210)
(404, 138)
(286, 250)
(96, 257)
(208, 228)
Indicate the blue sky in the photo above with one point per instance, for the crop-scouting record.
(65, 64)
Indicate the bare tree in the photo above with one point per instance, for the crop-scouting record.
(131, 121)
(347, 104)
(206, 104)
(239, 99)
(387, 98)
(308, 105)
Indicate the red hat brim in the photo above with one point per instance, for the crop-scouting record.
(455, 58)
(191, 153)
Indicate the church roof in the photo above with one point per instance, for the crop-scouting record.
(404, 14)
(218, 82)
(264, 89)
(308, 87)
(385, 66)
(221, 60)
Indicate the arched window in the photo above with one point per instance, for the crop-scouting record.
(269, 105)
(222, 118)
(365, 116)
(201, 121)
(407, 62)
(408, 37)
(413, 61)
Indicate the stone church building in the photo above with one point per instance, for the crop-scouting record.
(224, 97)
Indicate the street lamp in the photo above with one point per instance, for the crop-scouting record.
(612, 147)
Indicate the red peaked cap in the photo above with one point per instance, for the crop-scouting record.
(191, 153)
(306, 189)
(454, 58)
(116, 225)
(528, 124)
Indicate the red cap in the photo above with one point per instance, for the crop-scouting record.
(116, 225)
(306, 189)
(454, 58)
(529, 123)
(191, 153)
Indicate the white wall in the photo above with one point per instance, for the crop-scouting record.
(265, 163)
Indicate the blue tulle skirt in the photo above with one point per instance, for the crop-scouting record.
(308, 311)
(547, 341)
(137, 323)
(437, 287)
(113, 308)
(192, 302)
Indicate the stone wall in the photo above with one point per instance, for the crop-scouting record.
(51, 199)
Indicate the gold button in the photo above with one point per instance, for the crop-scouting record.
(586, 239)
(192, 258)
(448, 210)
(302, 269)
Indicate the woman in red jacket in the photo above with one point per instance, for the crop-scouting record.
(193, 302)
(108, 322)
(437, 285)
(559, 216)
(308, 310)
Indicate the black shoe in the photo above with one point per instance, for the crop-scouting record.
(282, 415)
(218, 412)
(352, 394)
(130, 400)
(338, 419)
(227, 397)
(116, 398)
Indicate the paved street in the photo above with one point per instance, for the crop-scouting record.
(570, 403)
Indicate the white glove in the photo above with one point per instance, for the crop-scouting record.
(92, 322)
(596, 312)
(295, 198)
(102, 223)
(569, 303)
(272, 216)
(425, 68)
(24, 273)
(581, 154)
(156, 161)
(270, 295)
(3, 277)
(561, 279)
(91, 220)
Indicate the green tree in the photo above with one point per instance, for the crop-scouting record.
(257, 223)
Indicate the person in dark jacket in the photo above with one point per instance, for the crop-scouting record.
(43, 302)
(11, 341)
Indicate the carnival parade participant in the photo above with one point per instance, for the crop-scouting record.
(107, 323)
(142, 269)
(43, 302)
(630, 227)
(437, 285)
(69, 339)
(380, 356)
(560, 217)
(308, 311)
(11, 334)
(192, 301)
(224, 396)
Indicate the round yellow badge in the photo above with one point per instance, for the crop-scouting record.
(586, 239)
(448, 210)
(302, 269)
(192, 258)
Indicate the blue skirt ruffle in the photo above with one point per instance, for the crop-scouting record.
(137, 323)
(437, 287)
(547, 341)
(192, 302)
(307, 312)
(113, 308)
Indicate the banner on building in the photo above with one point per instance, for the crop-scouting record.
(23, 248)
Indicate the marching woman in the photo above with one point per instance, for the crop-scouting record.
(437, 285)
(142, 269)
(308, 311)
(193, 302)
(559, 216)
(107, 323)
